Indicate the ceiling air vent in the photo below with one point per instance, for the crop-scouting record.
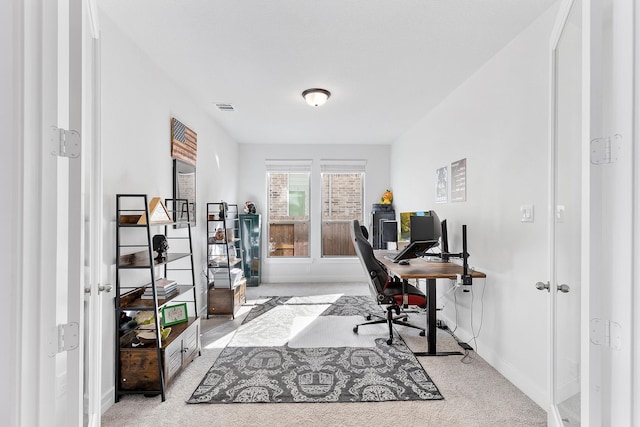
(225, 107)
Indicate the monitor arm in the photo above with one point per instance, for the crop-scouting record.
(466, 277)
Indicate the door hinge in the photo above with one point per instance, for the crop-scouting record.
(65, 338)
(605, 150)
(65, 143)
(606, 333)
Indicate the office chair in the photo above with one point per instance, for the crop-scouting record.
(384, 289)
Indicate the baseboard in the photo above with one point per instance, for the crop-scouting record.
(536, 393)
(313, 279)
(568, 389)
(108, 399)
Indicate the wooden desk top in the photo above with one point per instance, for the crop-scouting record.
(422, 269)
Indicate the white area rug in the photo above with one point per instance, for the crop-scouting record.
(333, 331)
(315, 299)
(273, 328)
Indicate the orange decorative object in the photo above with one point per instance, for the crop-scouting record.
(387, 197)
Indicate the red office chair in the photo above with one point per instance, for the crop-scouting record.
(384, 289)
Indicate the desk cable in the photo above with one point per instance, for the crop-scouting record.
(467, 357)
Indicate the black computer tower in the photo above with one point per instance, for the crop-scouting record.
(379, 213)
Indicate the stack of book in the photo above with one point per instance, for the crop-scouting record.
(164, 288)
(227, 278)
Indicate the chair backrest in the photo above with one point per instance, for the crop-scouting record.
(377, 275)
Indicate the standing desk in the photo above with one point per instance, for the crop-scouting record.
(420, 268)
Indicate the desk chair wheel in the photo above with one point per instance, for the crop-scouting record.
(355, 329)
(422, 333)
(368, 317)
(389, 341)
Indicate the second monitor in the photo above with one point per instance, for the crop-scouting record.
(425, 227)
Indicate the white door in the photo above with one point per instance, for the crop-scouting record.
(52, 315)
(565, 211)
(591, 214)
(61, 216)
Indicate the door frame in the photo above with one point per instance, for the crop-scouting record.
(92, 385)
(554, 418)
(635, 391)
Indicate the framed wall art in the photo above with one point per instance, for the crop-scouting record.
(174, 314)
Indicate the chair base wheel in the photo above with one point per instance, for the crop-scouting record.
(422, 333)
(368, 317)
(389, 341)
(355, 329)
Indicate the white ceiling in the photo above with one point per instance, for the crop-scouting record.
(386, 62)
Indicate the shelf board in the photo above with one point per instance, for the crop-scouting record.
(176, 330)
(132, 300)
(141, 259)
(234, 261)
(223, 242)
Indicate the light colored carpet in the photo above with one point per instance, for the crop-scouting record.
(476, 395)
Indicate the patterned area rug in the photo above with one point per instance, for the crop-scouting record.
(271, 374)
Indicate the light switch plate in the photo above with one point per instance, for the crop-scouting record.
(526, 213)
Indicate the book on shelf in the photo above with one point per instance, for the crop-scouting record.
(164, 288)
(161, 295)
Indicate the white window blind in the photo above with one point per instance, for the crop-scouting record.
(344, 166)
(288, 165)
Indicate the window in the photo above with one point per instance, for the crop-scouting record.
(288, 199)
(342, 202)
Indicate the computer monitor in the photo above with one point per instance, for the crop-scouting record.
(414, 250)
(425, 227)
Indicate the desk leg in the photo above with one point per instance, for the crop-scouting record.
(431, 324)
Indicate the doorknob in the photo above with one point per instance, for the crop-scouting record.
(563, 288)
(105, 288)
(541, 286)
(101, 288)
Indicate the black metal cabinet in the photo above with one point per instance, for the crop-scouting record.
(250, 245)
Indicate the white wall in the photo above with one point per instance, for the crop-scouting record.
(138, 102)
(497, 120)
(252, 186)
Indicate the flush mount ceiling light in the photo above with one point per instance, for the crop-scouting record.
(316, 97)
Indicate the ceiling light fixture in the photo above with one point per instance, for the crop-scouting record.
(316, 97)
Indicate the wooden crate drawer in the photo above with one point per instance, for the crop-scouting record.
(139, 366)
(139, 369)
(227, 301)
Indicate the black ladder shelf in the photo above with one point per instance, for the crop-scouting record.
(142, 367)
